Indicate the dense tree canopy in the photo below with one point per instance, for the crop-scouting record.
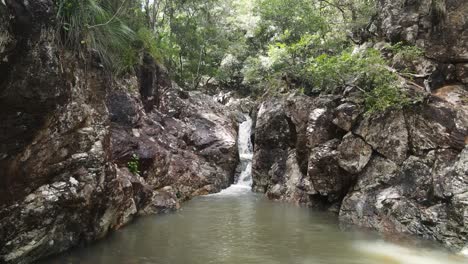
(249, 46)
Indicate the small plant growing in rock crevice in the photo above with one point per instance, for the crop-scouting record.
(134, 164)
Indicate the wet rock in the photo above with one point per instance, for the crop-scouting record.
(189, 144)
(7, 41)
(402, 171)
(320, 127)
(273, 136)
(416, 179)
(123, 109)
(162, 201)
(276, 192)
(454, 94)
(462, 73)
(285, 131)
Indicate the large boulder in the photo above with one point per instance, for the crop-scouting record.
(354, 153)
(274, 137)
(294, 159)
(387, 134)
(423, 193)
(190, 143)
(328, 179)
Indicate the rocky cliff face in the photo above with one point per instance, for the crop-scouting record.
(401, 171)
(440, 27)
(68, 132)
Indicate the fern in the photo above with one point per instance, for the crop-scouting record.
(93, 25)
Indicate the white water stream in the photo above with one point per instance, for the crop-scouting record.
(244, 182)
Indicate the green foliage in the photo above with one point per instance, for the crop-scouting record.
(357, 14)
(134, 164)
(363, 70)
(288, 20)
(291, 33)
(331, 72)
(92, 25)
(251, 43)
(254, 46)
(383, 97)
(148, 41)
(105, 28)
(197, 37)
(408, 53)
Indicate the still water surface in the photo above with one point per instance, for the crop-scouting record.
(237, 227)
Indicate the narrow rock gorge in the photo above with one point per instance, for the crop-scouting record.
(70, 131)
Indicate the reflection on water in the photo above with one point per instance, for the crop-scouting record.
(241, 227)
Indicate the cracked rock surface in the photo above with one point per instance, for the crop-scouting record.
(68, 133)
(401, 171)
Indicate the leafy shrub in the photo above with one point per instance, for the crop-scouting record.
(134, 164)
(333, 72)
(148, 42)
(384, 97)
(363, 70)
(408, 53)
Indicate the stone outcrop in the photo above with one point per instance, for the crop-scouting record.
(68, 133)
(400, 171)
(294, 139)
(438, 26)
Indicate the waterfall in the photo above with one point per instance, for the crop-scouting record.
(245, 152)
(243, 183)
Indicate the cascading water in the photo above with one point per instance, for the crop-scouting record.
(245, 152)
(244, 181)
